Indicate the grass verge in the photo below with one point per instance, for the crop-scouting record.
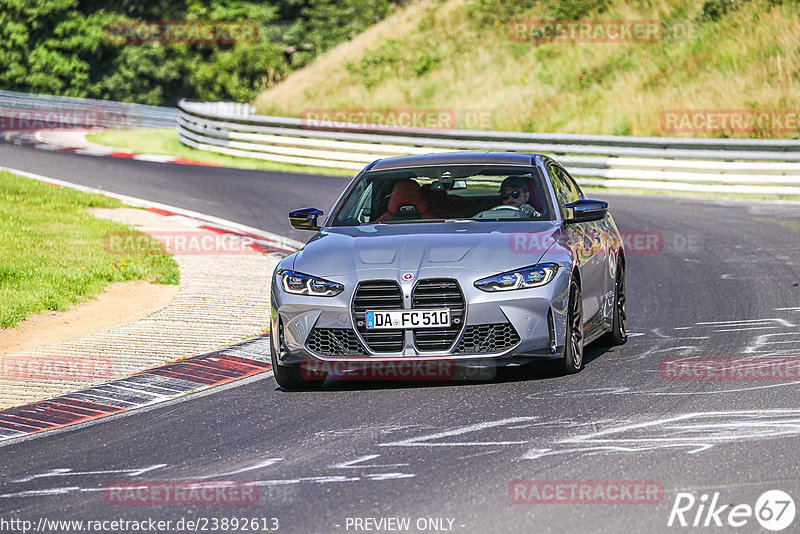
(53, 250)
(164, 141)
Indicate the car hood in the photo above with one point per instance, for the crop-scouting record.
(479, 246)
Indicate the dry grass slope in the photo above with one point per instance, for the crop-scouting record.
(458, 55)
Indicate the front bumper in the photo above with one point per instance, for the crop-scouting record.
(498, 328)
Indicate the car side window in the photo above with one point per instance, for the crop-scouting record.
(566, 189)
(573, 185)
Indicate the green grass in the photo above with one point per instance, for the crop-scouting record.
(164, 141)
(53, 250)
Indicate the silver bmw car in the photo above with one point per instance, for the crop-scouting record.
(474, 259)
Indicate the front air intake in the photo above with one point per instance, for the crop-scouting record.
(487, 339)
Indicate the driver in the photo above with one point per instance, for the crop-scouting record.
(514, 192)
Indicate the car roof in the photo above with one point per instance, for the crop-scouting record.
(455, 158)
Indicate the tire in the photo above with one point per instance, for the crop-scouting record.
(619, 333)
(290, 377)
(572, 361)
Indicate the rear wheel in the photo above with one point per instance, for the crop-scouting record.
(290, 377)
(573, 343)
(618, 334)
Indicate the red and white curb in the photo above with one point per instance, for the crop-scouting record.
(166, 382)
(32, 140)
(142, 389)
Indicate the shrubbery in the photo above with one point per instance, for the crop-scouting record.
(59, 46)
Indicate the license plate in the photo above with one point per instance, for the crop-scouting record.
(396, 319)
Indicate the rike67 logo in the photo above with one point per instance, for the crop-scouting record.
(774, 510)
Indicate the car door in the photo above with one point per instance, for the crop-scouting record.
(586, 242)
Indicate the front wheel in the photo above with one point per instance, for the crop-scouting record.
(290, 377)
(572, 361)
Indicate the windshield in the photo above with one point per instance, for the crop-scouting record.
(425, 194)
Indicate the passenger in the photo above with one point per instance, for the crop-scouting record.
(514, 192)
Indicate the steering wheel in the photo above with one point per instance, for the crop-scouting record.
(504, 207)
(503, 211)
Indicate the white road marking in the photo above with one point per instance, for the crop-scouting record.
(66, 472)
(41, 493)
(319, 480)
(697, 432)
(759, 342)
(388, 476)
(351, 464)
(422, 441)
(657, 332)
(655, 393)
(745, 328)
(778, 320)
(265, 463)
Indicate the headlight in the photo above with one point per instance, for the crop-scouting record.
(305, 284)
(527, 277)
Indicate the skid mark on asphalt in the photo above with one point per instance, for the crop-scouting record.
(769, 336)
(428, 440)
(358, 463)
(773, 321)
(366, 465)
(519, 438)
(260, 465)
(66, 472)
(629, 391)
(372, 430)
(693, 432)
(362, 466)
(776, 344)
(381, 472)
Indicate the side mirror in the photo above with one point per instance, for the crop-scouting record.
(586, 210)
(304, 219)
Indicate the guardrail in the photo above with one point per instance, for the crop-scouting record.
(680, 164)
(30, 111)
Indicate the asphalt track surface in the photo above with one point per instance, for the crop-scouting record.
(722, 285)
